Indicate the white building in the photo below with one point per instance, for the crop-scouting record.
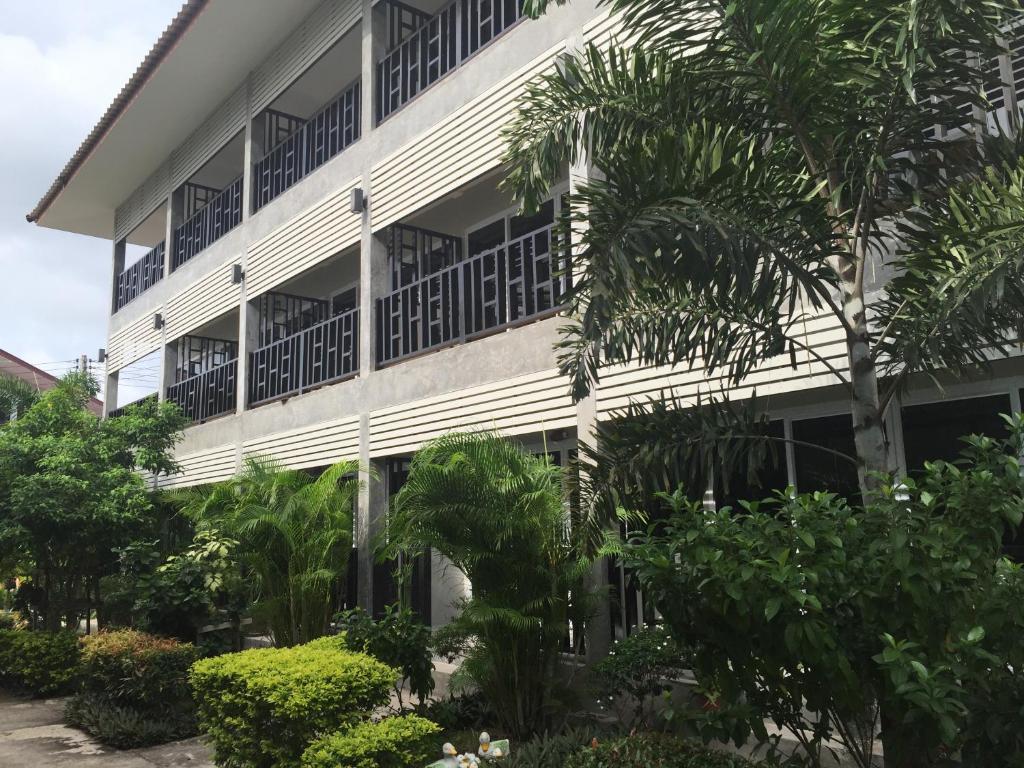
(309, 235)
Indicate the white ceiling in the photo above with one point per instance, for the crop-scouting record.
(228, 40)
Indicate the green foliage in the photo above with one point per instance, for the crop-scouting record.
(460, 711)
(646, 749)
(398, 639)
(178, 594)
(395, 742)
(497, 514)
(70, 492)
(899, 610)
(133, 689)
(10, 620)
(38, 663)
(125, 727)
(262, 708)
(136, 669)
(757, 162)
(550, 750)
(16, 396)
(636, 671)
(294, 538)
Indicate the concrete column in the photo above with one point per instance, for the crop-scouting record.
(175, 218)
(248, 342)
(255, 146)
(374, 38)
(118, 267)
(168, 366)
(371, 513)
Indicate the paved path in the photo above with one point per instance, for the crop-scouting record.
(33, 735)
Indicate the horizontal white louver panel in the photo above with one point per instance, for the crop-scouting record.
(317, 445)
(143, 201)
(314, 235)
(201, 467)
(463, 146)
(516, 406)
(203, 301)
(623, 385)
(132, 342)
(216, 131)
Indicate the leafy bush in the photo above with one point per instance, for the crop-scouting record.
(647, 749)
(398, 639)
(549, 750)
(396, 742)
(497, 513)
(460, 711)
(11, 620)
(636, 670)
(134, 689)
(128, 727)
(262, 708)
(39, 663)
(832, 619)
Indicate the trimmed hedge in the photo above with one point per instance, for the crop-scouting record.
(38, 663)
(134, 689)
(645, 749)
(262, 708)
(396, 742)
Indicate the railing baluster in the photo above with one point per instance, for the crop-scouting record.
(140, 276)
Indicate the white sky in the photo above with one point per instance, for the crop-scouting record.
(61, 63)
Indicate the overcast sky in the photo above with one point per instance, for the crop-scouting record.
(61, 63)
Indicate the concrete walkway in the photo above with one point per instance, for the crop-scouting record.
(33, 735)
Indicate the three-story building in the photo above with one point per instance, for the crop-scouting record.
(310, 235)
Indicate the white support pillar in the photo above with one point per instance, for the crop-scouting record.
(117, 267)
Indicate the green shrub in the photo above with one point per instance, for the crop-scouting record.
(396, 742)
(128, 727)
(550, 750)
(38, 663)
(133, 689)
(399, 639)
(10, 619)
(646, 749)
(263, 707)
(636, 671)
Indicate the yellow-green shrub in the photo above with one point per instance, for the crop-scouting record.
(39, 663)
(262, 708)
(396, 742)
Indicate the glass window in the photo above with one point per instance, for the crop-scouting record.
(933, 431)
(487, 237)
(345, 301)
(773, 476)
(820, 470)
(520, 226)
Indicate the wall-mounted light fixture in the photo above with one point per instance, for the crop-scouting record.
(101, 356)
(158, 321)
(237, 274)
(357, 201)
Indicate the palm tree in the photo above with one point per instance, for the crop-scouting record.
(498, 514)
(16, 396)
(762, 156)
(295, 537)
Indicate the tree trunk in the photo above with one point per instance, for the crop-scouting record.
(868, 431)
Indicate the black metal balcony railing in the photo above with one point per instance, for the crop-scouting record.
(441, 44)
(320, 138)
(322, 353)
(211, 393)
(121, 411)
(140, 276)
(519, 280)
(211, 222)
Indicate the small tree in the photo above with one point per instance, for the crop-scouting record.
(766, 160)
(16, 396)
(294, 538)
(71, 492)
(499, 515)
(819, 615)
